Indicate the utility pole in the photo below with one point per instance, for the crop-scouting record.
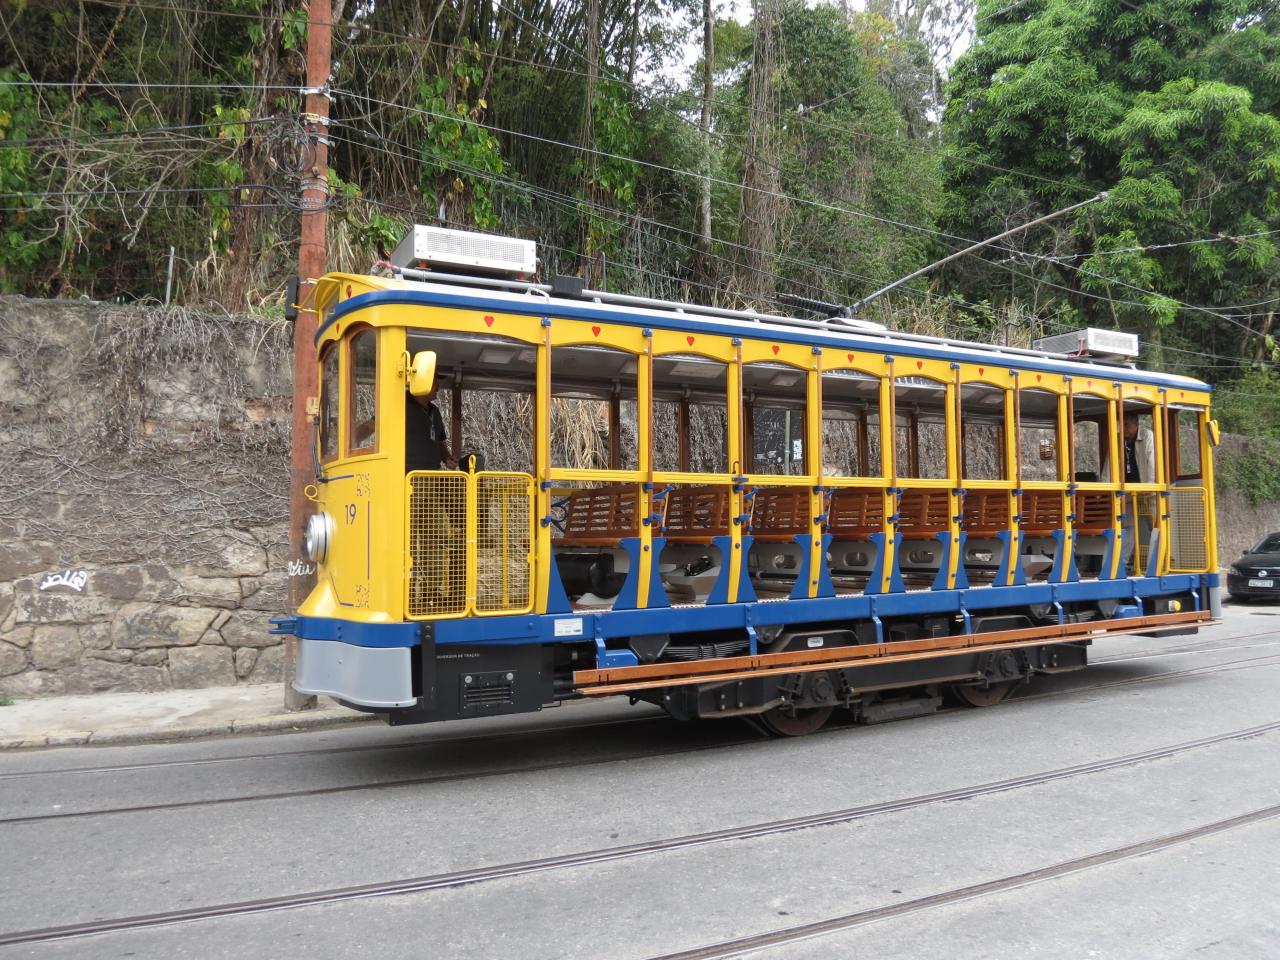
(311, 265)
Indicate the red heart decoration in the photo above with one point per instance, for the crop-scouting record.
(850, 356)
(1181, 394)
(981, 371)
(488, 321)
(595, 331)
(919, 364)
(1090, 382)
(689, 340)
(776, 348)
(1038, 378)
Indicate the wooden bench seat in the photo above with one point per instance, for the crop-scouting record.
(779, 514)
(694, 515)
(923, 514)
(855, 513)
(600, 517)
(1041, 512)
(1093, 509)
(986, 513)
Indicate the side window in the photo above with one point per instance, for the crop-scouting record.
(1089, 450)
(329, 404)
(1188, 429)
(690, 414)
(982, 453)
(362, 428)
(1038, 436)
(850, 424)
(774, 415)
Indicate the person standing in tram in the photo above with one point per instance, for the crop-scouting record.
(1139, 467)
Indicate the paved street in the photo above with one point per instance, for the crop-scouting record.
(916, 845)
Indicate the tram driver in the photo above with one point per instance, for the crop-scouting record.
(426, 445)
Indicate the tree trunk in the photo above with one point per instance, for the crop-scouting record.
(761, 205)
(244, 261)
(590, 256)
(702, 261)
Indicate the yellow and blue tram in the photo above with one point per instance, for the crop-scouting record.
(722, 512)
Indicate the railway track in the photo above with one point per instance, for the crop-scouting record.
(559, 728)
(808, 931)
(719, 739)
(627, 851)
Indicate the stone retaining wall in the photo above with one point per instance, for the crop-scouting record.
(143, 498)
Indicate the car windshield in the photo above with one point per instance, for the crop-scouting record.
(1270, 544)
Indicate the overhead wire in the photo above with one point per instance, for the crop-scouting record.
(576, 53)
(833, 207)
(573, 203)
(839, 208)
(109, 135)
(947, 236)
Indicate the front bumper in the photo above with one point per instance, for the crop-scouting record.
(377, 677)
(1238, 586)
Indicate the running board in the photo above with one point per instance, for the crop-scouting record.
(613, 680)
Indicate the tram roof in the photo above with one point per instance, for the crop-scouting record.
(461, 295)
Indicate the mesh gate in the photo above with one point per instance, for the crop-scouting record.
(1188, 540)
(437, 544)
(470, 543)
(504, 542)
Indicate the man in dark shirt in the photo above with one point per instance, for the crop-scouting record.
(437, 579)
(426, 446)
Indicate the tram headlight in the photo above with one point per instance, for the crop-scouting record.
(317, 536)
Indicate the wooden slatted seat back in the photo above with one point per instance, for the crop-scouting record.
(923, 514)
(986, 513)
(696, 514)
(1041, 512)
(600, 517)
(1093, 511)
(779, 514)
(855, 514)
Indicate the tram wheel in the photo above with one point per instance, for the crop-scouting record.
(784, 721)
(976, 695)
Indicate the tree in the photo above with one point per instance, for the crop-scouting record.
(1059, 99)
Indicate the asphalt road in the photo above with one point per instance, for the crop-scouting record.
(973, 833)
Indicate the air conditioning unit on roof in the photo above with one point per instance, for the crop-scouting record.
(1092, 342)
(460, 251)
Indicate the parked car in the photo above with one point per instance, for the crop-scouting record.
(1257, 573)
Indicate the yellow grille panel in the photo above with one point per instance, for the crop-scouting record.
(437, 544)
(504, 542)
(1188, 535)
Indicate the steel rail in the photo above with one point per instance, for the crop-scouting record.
(623, 852)
(1231, 665)
(808, 931)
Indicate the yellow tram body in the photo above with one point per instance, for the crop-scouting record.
(454, 549)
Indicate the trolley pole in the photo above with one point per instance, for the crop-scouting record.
(311, 265)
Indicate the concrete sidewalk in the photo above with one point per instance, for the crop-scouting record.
(115, 718)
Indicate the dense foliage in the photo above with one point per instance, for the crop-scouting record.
(832, 155)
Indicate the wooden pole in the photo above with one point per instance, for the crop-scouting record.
(311, 265)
